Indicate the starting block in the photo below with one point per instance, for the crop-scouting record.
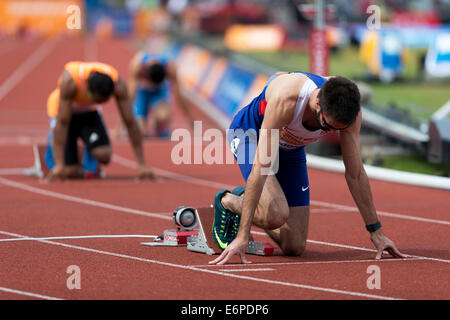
(185, 221)
(196, 233)
(204, 242)
(39, 169)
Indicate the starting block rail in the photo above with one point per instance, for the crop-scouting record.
(39, 169)
(172, 238)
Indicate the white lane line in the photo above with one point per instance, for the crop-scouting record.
(325, 210)
(217, 185)
(29, 64)
(380, 213)
(246, 269)
(22, 141)
(373, 250)
(100, 236)
(172, 175)
(331, 207)
(277, 264)
(12, 171)
(335, 207)
(330, 244)
(131, 164)
(159, 215)
(28, 294)
(179, 266)
(61, 196)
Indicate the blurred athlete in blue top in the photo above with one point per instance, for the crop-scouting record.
(153, 77)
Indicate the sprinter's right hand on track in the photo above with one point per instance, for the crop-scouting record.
(383, 243)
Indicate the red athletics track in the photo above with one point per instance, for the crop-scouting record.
(333, 267)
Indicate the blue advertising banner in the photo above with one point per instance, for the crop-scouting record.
(437, 61)
(226, 85)
(122, 19)
(232, 89)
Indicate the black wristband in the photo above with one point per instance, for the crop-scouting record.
(373, 227)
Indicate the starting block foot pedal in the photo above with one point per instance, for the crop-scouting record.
(203, 242)
(260, 248)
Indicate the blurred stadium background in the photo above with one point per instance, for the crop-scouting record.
(226, 49)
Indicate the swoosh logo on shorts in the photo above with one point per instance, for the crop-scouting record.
(93, 137)
(234, 146)
(304, 189)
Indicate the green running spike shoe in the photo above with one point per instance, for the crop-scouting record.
(238, 191)
(224, 222)
(235, 220)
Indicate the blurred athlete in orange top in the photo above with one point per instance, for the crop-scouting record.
(74, 112)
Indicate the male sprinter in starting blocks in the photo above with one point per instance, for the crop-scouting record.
(152, 79)
(302, 107)
(74, 111)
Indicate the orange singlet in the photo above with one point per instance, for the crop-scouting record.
(80, 72)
